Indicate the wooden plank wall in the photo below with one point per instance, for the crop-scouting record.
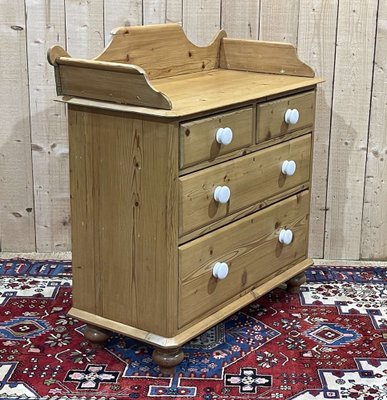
(344, 41)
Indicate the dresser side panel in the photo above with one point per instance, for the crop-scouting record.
(82, 211)
(127, 258)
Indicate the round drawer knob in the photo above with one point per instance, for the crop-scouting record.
(224, 135)
(292, 116)
(222, 194)
(285, 236)
(220, 270)
(289, 167)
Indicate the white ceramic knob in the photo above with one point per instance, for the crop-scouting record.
(220, 270)
(288, 167)
(222, 194)
(224, 135)
(292, 116)
(285, 236)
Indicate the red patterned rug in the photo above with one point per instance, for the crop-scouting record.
(328, 342)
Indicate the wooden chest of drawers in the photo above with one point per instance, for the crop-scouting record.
(189, 181)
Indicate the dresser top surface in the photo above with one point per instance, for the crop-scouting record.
(201, 92)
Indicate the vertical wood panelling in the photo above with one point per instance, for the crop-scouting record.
(174, 11)
(17, 230)
(374, 232)
(121, 13)
(349, 203)
(48, 129)
(162, 11)
(154, 11)
(240, 18)
(316, 47)
(84, 27)
(279, 20)
(348, 148)
(201, 20)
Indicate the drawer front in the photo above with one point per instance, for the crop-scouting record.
(251, 249)
(271, 116)
(198, 139)
(250, 179)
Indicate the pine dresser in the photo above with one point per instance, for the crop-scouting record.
(190, 174)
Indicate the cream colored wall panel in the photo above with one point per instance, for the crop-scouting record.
(316, 46)
(121, 13)
(240, 18)
(48, 129)
(17, 230)
(279, 20)
(349, 131)
(374, 224)
(350, 159)
(84, 27)
(201, 20)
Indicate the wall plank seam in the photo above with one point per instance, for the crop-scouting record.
(330, 134)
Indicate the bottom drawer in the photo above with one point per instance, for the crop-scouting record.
(252, 250)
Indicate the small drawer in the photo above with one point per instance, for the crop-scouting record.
(279, 117)
(225, 263)
(213, 193)
(206, 139)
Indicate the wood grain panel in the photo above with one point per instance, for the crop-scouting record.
(251, 179)
(279, 21)
(17, 230)
(189, 96)
(251, 249)
(84, 27)
(188, 333)
(120, 84)
(244, 150)
(315, 22)
(164, 11)
(197, 94)
(83, 209)
(316, 46)
(240, 18)
(48, 129)
(154, 11)
(261, 56)
(130, 170)
(374, 232)
(242, 213)
(174, 12)
(271, 116)
(348, 149)
(198, 137)
(161, 50)
(121, 13)
(201, 20)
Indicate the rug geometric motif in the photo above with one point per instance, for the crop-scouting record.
(366, 299)
(13, 390)
(21, 266)
(332, 334)
(91, 377)
(23, 328)
(247, 380)
(329, 342)
(27, 287)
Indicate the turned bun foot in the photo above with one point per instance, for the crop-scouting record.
(293, 284)
(167, 359)
(96, 335)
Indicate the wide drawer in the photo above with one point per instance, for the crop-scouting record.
(198, 139)
(252, 251)
(271, 116)
(250, 179)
